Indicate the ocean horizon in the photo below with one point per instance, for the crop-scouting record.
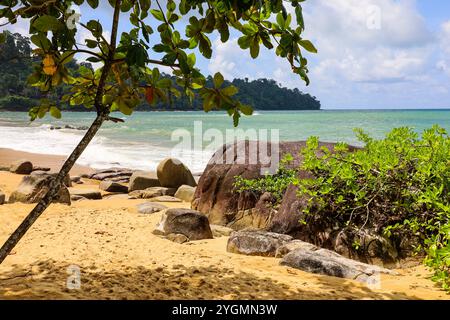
(145, 138)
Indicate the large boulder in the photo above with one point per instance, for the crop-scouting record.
(330, 263)
(67, 181)
(21, 167)
(373, 248)
(34, 187)
(256, 242)
(290, 212)
(215, 195)
(111, 186)
(185, 193)
(141, 180)
(191, 223)
(172, 173)
(2, 198)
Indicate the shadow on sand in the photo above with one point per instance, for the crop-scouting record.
(48, 280)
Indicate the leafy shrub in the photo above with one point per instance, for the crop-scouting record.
(397, 187)
(275, 184)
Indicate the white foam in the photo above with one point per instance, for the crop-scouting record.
(101, 152)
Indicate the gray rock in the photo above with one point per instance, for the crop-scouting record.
(256, 243)
(2, 198)
(34, 187)
(88, 194)
(294, 245)
(112, 176)
(185, 193)
(330, 263)
(141, 180)
(172, 173)
(110, 186)
(150, 207)
(21, 167)
(177, 237)
(152, 193)
(190, 223)
(220, 231)
(67, 182)
(165, 199)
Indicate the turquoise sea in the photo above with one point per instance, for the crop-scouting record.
(145, 138)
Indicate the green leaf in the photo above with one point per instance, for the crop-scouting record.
(308, 46)
(93, 3)
(55, 112)
(230, 91)
(157, 14)
(47, 23)
(218, 80)
(246, 109)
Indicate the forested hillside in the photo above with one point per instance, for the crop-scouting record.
(16, 64)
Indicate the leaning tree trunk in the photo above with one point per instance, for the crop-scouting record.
(54, 188)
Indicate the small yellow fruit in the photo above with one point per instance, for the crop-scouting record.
(49, 65)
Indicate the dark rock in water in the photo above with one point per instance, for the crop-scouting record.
(330, 263)
(34, 187)
(172, 173)
(141, 180)
(110, 186)
(192, 224)
(88, 194)
(150, 207)
(21, 167)
(256, 243)
(2, 198)
(70, 127)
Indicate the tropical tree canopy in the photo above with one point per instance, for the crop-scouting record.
(130, 65)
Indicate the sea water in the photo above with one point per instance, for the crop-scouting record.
(145, 138)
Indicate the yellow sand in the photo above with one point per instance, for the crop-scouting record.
(120, 258)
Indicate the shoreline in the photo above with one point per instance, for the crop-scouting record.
(54, 162)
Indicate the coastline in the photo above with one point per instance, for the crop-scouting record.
(54, 162)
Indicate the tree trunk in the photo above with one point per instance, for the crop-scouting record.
(53, 189)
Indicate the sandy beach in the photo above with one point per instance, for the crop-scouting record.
(119, 258)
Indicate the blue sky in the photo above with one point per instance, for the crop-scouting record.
(372, 53)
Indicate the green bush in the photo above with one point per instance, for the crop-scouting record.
(275, 184)
(397, 187)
